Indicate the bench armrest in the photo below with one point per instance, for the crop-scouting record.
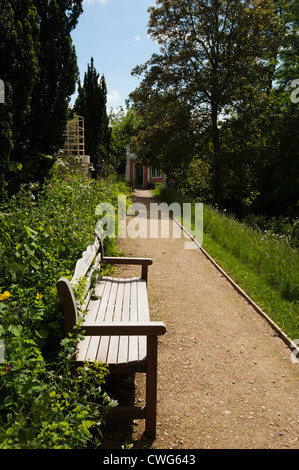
(124, 329)
(125, 260)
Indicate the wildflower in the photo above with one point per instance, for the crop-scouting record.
(5, 295)
(38, 296)
(50, 186)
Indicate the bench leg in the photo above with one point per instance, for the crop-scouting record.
(151, 386)
(144, 272)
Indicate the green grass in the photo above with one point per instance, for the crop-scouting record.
(265, 266)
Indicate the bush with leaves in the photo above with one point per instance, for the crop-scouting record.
(43, 231)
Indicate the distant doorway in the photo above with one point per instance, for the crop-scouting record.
(138, 175)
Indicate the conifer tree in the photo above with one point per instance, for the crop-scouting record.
(91, 104)
(19, 72)
(57, 81)
(38, 65)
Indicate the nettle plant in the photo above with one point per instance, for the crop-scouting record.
(43, 231)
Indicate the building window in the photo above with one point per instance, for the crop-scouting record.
(156, 173)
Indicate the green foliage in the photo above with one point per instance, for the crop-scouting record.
(56, 83)
(232, 64)
(264, 262)
(270, 255)
(19, 71)
(43, 231)
(214, 55)
(167, 138)
(91, 104)
(125, 125)
(39, 68)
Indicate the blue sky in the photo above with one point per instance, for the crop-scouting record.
(114, 33)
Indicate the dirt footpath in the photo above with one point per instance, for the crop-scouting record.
(225, 379)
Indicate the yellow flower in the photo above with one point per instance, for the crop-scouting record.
(38, 296)
(5, 295)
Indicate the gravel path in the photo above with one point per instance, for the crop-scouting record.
(225, 379)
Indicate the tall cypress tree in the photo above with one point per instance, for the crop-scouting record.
(91, 104)
(19, 72)
(38, 65)
(57, 80)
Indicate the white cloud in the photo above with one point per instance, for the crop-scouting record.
(137, 38)
(90, 2)
(113, 97)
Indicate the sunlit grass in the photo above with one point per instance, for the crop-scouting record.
(264, 265)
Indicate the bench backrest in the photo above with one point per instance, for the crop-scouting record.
(89, 264)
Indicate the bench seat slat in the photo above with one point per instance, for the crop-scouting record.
(112, 356)
(122, 300)
(91, 316)
(96, 312)
(143, 315)
(104, 341)
(124, 340)
(133, 350)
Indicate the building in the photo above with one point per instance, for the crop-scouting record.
(140, 175)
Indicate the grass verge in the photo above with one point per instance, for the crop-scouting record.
(262, 264)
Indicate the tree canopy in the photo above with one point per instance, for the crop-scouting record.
(226, 61)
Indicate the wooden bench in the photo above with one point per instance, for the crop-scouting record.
(117, 328)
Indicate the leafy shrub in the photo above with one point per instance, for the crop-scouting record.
(280, 226)
(43, 231)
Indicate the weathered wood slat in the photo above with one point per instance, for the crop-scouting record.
(133, 340)
(122, 300)
(143, 315)
(96, 341)
(151, 328)
(103, 350)
(88, 290)
(84, 263)
(89, 342)
(124, 260)
(112, 357)
(124, 340)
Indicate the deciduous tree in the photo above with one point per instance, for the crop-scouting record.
(214, 54)
(167, 136)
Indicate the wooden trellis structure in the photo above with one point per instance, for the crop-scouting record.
(74, 145)
(74, 137)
